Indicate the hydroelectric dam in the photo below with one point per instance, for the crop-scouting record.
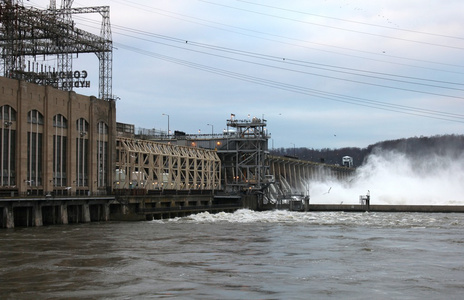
(96, 169)
(65, 159)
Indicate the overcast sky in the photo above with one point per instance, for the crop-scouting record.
(324, 74)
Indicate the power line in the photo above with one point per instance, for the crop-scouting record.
(150, 9)
(354, 22)
(295, 88)
(306, 91)
(198, 21)
(328, 67)
(313, 65)
(334, 27)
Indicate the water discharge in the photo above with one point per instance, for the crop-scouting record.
(395, 178)
(285, 217)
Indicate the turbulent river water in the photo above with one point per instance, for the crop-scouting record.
(241, 255)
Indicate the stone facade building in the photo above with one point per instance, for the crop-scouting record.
(54, 142)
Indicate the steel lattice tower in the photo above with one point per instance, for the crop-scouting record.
(29, 32)
(64, 59)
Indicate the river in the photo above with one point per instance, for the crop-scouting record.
(241, 255)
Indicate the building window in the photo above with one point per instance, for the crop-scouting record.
(60, 141)
(102, 128)
(60, 121)
(34, 159)
(35, 117)
(7, 113)
(102, 154)
(82, 152)
(35, 149)
(7, 146)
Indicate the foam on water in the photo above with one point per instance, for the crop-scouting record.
(246, 216)
(396, 179)
(381, 220)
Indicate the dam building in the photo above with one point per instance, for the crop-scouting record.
(65, 159)
(61, 156)
(54, 142)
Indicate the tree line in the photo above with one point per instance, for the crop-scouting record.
(442, 145)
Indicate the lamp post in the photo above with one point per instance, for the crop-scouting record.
(212, 133)
(168, 123)
(212, 128)
(294, 150)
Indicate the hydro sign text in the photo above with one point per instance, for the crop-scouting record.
(75, 79)
(69, 79)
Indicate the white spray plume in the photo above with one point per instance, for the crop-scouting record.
(395, 178)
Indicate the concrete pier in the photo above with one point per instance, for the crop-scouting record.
(63, 213)
(8, 217)
(40, 211)
(37, 215)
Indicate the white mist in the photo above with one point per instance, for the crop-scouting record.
(396, 179)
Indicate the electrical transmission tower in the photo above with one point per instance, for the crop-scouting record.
(28, 33)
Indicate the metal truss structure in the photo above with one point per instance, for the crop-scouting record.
(243, 155)
(26, 33)
(142, 164)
